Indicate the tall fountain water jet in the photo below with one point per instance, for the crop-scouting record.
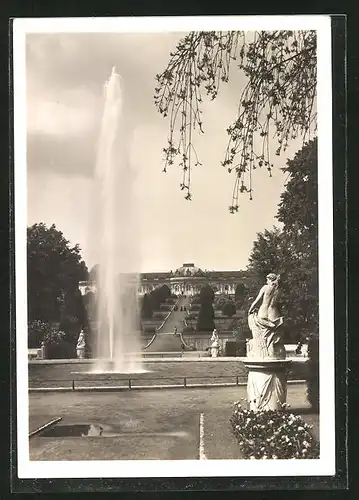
(118, 243)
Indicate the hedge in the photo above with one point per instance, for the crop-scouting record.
(235, 348)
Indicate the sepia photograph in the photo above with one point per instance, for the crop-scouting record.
(174, 272)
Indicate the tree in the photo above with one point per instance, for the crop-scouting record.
(146, 307)
(293, 251)
(36, 332)
(298, 212)
(206, 294)
(229, 309)
(54, 270)
(240, 294)
(94, 273)
(277, 101)
(74, 316)
(205, 322)
(267, 253)
(158, 296)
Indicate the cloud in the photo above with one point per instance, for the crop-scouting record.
(65, 77)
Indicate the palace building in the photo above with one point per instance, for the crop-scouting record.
(186, 280)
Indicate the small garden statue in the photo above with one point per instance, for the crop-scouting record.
(215, 344)
(81, 345)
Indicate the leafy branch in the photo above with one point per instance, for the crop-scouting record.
(277, 103)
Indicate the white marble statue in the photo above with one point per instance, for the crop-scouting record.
(267, 380)
(81, 344)
(215, 344)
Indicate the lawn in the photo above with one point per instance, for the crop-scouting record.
(151, 424)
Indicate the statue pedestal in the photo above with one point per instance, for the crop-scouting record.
(80, 353)
(215, 349)
(267, 383)
(214, 352)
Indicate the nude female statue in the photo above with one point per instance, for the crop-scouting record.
(265, 324)
(269, 293)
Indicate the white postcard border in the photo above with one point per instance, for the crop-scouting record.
(325, 466)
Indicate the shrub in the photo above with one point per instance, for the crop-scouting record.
(71, 326)
(231, 348)
(313, 372)
(241, 294)
(240, 329)
(56, 345)
(273, 434)
(37, 330)
(62, 350)
(235, 348)
(229, 309)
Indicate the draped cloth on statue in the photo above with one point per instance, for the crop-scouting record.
(81, 344)
(267, 340)
(266, 390)
(266, 387)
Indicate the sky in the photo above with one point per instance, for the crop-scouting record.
(65, 98)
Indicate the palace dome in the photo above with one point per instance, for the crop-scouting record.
(188, 269)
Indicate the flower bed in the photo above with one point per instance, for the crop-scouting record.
(273, 434)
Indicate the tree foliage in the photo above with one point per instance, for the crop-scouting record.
(37, 331)
(146, 307)
(206, 294)
(240, 294)
(205, 321)
(158, 296)
(277, 102)
(54, 270)
(292, 251)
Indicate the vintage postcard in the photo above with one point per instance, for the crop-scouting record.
(173, 218)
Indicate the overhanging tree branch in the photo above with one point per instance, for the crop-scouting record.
(277, 103)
